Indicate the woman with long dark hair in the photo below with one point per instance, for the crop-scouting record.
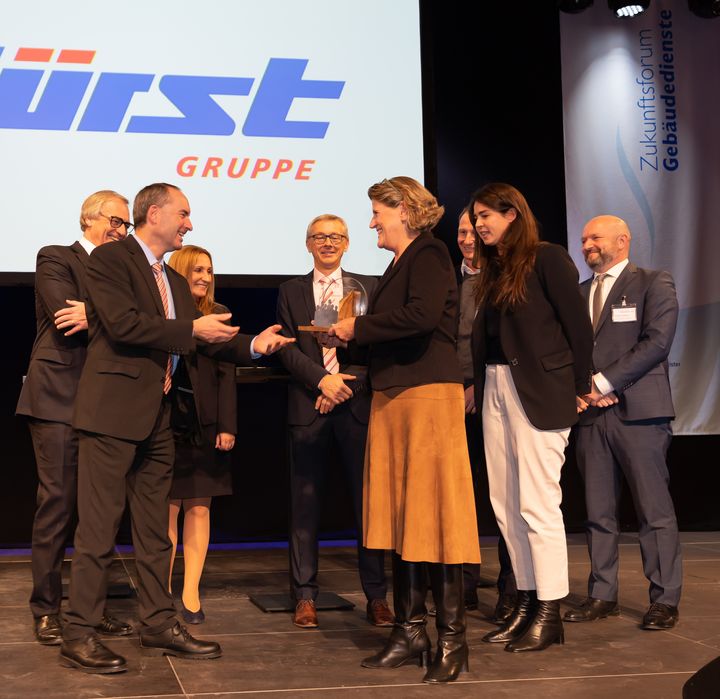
(532, 353)
(418, 492)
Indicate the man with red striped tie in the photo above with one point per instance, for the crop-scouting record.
(328, 410)
(141, 317)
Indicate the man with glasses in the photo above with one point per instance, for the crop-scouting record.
(328, 410)
(47, 398)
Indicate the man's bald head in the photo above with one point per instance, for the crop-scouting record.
(605, 242)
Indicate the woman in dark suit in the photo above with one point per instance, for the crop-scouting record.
(206, 402)
(532, 350)
(418, 493)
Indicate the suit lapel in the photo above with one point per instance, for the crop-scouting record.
(141, 263)
(180, 288)
(80, 253)
(393, 269)
(308, 296)
(390, 272)
(585, 290)
(308, 301)
(616, 293)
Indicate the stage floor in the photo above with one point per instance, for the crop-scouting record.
(265, 655)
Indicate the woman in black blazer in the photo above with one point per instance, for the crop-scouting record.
(532, 350)
(205, 403)
(418, 493)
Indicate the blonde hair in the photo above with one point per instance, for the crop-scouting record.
(183, 261)
(90, 209)
(423, 209)
(327, 217)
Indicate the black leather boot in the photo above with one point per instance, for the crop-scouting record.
(408, 641)
(518, 621)
(452, 654)
(545, 629)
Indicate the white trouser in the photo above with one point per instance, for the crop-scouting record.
(524, 465)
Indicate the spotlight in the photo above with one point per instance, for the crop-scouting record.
(573, 6)
(705, 8)
(624, 9)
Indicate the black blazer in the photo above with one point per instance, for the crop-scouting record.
(214, 389)
(56, 362)
(412, 320)
(296, 306)
(121, 386)
(633, 356)
(547, 341)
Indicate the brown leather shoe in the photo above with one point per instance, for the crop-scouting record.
(305, 614)
(379, 614)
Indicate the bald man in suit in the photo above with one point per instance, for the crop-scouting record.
(626, 429)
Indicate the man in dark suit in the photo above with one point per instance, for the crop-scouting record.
(626, 428)
(47, 398)
(141, 315)
(322, 409)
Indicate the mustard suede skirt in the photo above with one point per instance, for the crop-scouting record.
(418, 492)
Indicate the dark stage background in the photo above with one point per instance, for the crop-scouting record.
(493, 111)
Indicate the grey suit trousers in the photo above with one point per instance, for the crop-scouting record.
(607, 449)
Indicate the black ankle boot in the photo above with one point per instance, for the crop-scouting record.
(518, 621)
(452, 654)
(545, 629)
(408, 640)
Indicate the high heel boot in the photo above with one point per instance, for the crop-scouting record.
(518, 621)
(545, 629)
(408, 641)
(451, 658)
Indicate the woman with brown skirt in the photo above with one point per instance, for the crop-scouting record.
(418, 492)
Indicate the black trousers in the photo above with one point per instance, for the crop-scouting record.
(56, 455)
(111, 470)
(310, 450)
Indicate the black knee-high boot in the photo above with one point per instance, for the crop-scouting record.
(516, 624)
(451, 658)
(408, 641)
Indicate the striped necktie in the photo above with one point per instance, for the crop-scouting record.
(157, 269)
(330, 362)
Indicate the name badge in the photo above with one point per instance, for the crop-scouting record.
(624, 313)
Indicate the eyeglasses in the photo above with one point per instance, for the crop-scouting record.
(334, 238)
(116, 222)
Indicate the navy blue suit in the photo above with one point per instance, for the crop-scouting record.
(632, 437)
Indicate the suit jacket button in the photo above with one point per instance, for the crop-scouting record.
(513, 362)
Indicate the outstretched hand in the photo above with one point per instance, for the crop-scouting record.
(212, 328)
(270, 340)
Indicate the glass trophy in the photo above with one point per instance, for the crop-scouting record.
(353, 303)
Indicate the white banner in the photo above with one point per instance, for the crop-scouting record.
(265, 113)
(642, 141)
